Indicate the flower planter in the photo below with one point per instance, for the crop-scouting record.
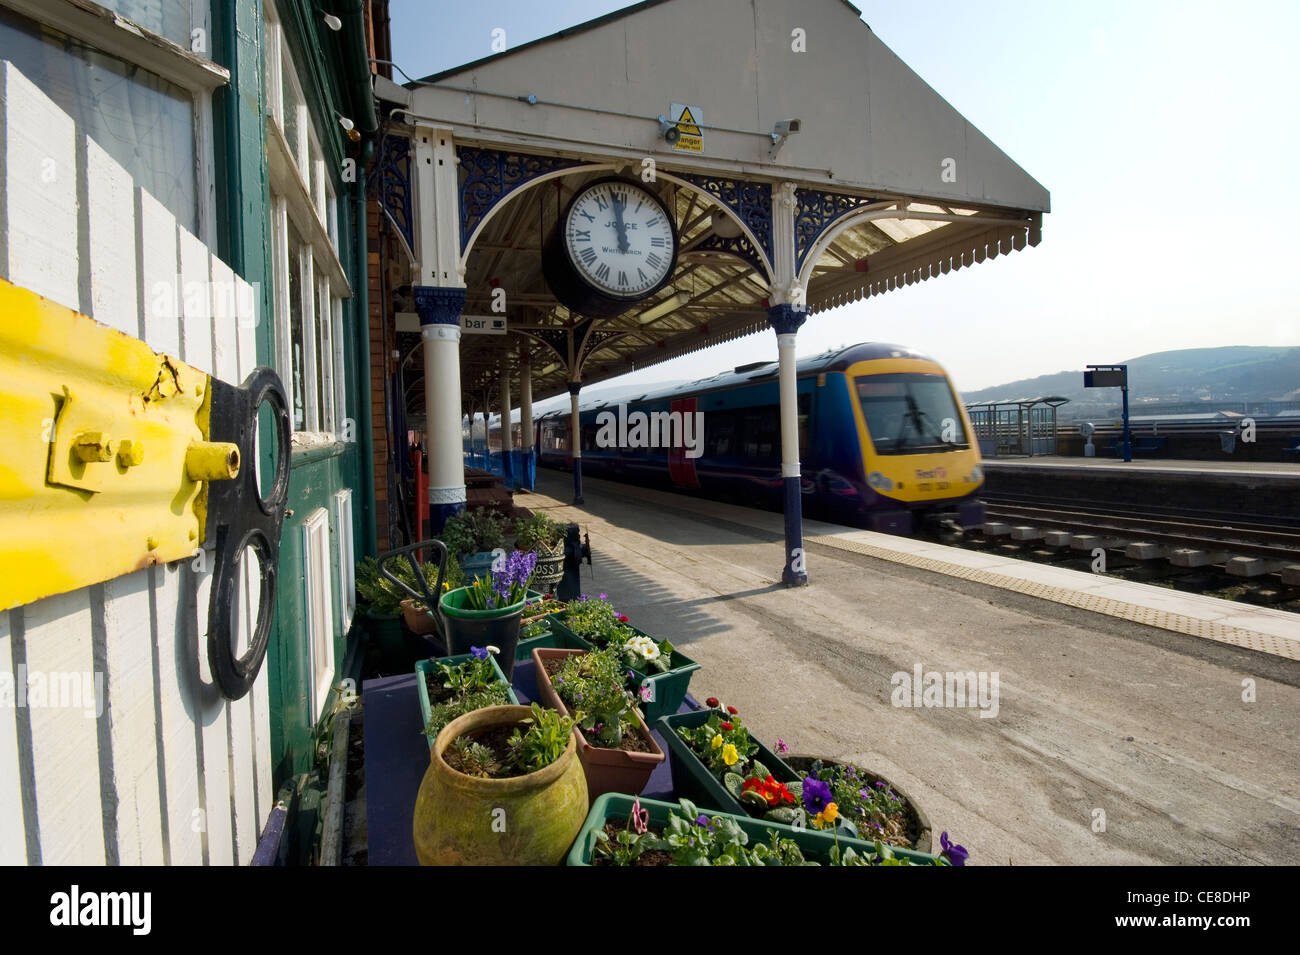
(467, 628)
(476, 565)
(919, 827)
(814, 844)
(550, 567)
(668, 690)
(551, 640)
(608, 770)
(431, 666)
(419, 621)
(385, 629)
(692, 779)
(458, 818)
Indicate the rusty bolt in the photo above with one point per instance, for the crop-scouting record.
(130, 453)
(91, 446)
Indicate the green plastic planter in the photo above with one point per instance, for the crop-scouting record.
(386, 630)
(668, 690)
(692, 779)
(555, 640)
(814, 844)
(427, 666)
(466, 628)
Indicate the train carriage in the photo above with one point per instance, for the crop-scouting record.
(884, 442)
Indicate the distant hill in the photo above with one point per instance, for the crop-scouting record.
(1231, 373)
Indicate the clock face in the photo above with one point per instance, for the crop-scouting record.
(620, 239)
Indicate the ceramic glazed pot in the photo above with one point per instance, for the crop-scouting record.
(455, 820)
(550, 567)
(608, 770)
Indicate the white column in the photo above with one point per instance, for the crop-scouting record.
(525, 399)
(789, 405)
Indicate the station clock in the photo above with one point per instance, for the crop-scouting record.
(614, 245)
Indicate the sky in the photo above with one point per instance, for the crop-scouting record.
(1168, 134)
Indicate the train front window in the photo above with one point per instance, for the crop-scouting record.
(911, 413)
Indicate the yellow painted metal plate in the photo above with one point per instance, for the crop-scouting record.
(95, 427)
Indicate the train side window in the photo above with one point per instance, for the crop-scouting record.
(588, 437)
(720, 434)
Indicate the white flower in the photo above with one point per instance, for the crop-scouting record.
(643, 647)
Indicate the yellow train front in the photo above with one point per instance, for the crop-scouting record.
(884, 442)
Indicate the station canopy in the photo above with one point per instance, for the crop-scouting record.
(891, 185)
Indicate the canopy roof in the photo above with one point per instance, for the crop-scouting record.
(874, 139)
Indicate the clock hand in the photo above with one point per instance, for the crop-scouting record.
(623, 244)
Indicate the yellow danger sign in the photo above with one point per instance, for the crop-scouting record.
(687, 119)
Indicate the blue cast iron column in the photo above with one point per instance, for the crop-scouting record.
(785, 321)
(575, 433)
(439, 309)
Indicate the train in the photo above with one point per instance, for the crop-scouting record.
(884, 442)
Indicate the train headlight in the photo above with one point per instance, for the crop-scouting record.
(878, 482)
(976, 475)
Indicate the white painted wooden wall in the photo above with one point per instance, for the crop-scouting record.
(172, 772)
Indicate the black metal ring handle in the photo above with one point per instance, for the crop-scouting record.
(430, 600)
(234, 525)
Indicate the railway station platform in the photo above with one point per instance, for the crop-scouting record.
(1118, 698)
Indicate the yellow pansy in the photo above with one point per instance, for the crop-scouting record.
(729, 755)
(716, 742)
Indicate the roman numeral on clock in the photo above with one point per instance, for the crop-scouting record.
(653, 260)
(658, 242)
(622, 280)
(602, 273)
(588, 255)
(581, 235)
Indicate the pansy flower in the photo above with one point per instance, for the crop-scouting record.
(816, 795)
(730, 756)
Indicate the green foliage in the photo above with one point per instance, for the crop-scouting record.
(440, 714)
(383, 597)
(543, 742)
(592, 686)
(476, 759)
(626, 847)
(597, 622)
(472, 531)
(723, 750)
(870, 809)
(538, 532)
(466, 677)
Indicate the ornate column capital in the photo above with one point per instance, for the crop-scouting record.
(439, 305)
(575, 387)
(785, 319)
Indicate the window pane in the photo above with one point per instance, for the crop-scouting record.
(292, 104)
(167, 18)
(324, 352)
(296, 337)
(141, 120)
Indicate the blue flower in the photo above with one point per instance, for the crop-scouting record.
(956, 854)
(479, 652)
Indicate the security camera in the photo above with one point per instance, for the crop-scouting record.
(668, 130)
(782, 129)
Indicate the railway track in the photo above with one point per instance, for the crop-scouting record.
(1255, 560)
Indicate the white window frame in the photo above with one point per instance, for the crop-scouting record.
(303, 193)
(318, 602)
(346, 552)
(197, 74)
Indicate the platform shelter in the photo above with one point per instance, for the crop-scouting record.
(802, 164)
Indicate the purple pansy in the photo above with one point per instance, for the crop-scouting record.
(816, 795)
(479, 653)
(956, 854)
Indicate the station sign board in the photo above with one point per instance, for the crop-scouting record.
(1106, 377)
(483, 324)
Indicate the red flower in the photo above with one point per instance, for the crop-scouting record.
(711, 701)
(622, 618)
(727, 726)
(773, 792)
(732, 710)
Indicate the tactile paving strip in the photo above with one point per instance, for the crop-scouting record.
(1135, 613)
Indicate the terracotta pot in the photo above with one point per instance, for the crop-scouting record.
(459, 819)
(608, 770)
(419, 621)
